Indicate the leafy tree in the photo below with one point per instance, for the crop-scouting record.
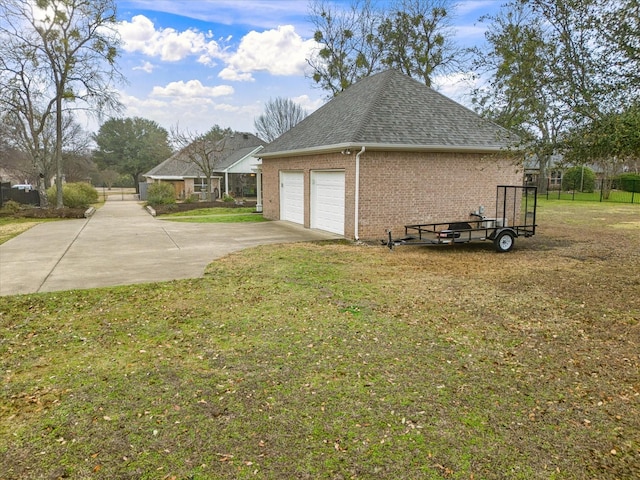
(349, 50)
(578, 63)
(57, 54)
(203, 150)
(619, 29)
(551, 72)
(280, 115)
(611, 141)
(131, 146)
(413, 36)
(518, 93)
(417, 39)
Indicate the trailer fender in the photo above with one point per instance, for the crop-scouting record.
(497, 231)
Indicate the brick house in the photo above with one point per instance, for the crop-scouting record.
(233, 169)
(386, 152)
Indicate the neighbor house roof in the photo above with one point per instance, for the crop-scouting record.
(234, 149)
(391, 111)
(237, 156)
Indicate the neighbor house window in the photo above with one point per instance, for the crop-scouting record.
(200, 185)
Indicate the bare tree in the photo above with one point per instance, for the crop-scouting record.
(203, 151)
(280, 115)
(57, 55)
(23, 97)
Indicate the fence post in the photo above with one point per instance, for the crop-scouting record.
(547, 189)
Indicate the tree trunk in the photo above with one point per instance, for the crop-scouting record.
(543, 166)
(58, 154)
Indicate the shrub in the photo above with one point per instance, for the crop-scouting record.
(161, 194)
(629, 182)
(74, 195)
(577, 176)
(228, 198)
(193, 198)
(87, 190)
(11, 206)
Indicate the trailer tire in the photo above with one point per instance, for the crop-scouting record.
(504, 242)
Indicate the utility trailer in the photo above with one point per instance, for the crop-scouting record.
(515, 216)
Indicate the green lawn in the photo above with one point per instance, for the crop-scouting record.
(334, 360)
(216, 215)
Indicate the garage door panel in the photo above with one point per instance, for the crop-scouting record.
(292, 197)
(327, 202)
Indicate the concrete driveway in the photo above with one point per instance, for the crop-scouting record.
(122, 244)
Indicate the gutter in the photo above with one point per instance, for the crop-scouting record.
(387, 147)
(357, 199)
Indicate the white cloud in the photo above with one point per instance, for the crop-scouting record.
(471, 6)
(457, 86)
(136, 105)
(279, 52)
(233, 75)
(140, 35)
(308, 104)
(191, 89)
(470, 34)
(145, 67)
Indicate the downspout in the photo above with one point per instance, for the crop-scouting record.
(357, 199)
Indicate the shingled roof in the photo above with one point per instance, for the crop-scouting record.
(235, 148)
(391, 111)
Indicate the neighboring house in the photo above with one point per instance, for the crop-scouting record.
(554, 171)
(386, 152)
(233, 169)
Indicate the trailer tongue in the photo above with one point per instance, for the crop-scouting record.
(515, 216)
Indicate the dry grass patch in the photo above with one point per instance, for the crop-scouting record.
(14, 228)
(335, 360)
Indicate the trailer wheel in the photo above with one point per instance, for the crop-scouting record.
(504, 242)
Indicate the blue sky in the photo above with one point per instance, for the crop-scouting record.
(191, 64)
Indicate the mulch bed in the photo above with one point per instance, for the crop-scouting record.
(46, 213)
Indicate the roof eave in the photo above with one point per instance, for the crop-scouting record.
(163, 177)
(387, 147)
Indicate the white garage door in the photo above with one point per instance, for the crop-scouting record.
(292, 197)
(327, 201)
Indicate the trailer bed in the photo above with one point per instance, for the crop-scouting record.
(515, 217)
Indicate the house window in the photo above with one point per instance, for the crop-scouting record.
(555, 178)
(200, 185)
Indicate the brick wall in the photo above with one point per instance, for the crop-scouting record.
(271, 169)
(399, 188)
